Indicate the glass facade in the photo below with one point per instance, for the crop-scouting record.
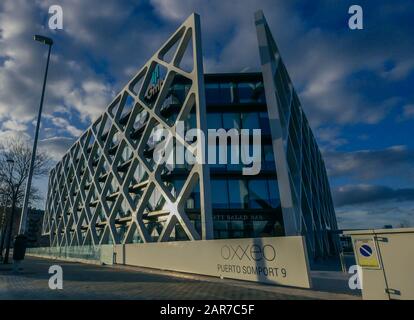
(242, 206)
(109, 187)
(234, 92)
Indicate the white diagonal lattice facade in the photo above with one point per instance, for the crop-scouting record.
(108, 188)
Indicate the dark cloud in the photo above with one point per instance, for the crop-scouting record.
(397, 161)
(104, 43)
(362, 194)
(373, 215)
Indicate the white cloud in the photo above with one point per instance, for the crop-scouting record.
(14, 125)
(56, 147)
(65, 126)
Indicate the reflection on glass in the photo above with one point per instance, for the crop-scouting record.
(219, 194)
(258, 194)
(274, 196)
(226, 93)
(238, 194)
(231, 120)
(250, 120)
(212, 93)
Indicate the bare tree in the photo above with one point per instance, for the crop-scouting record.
(15, 156)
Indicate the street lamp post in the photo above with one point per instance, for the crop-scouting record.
(22, 228)
(13, 207)
(3, 225)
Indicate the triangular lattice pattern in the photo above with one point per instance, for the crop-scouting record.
(107, 188)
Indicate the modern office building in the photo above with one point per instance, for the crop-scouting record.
(108, 189)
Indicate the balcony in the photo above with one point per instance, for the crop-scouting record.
(138, 131)
(123, 167)
(138, 187)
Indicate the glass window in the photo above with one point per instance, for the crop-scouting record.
(231, 120)
(258, 194)
(221, 229)
(236, 229)
(226, 93)
(177, 185)
(178, 91)
(238, 194)
(269, 161)
(212, 93)
(234, 152)
(214, 120)
(195, 195)
(274, 195)
(191, 121)
(250, 120)
(264, 123)
(258, 229)
(259, 93)
(219, 194)
(245, 91)
(219, 152)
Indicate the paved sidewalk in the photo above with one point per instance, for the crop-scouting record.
(83, 281)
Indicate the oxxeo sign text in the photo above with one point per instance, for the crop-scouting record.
(254, 252)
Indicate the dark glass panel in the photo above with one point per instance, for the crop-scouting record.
(231, 121)
(226, 93)
(214, 120)
(258, 194)
(238, 194)
(219, 194)
(212, 93)
(250, 120)
(274, 195)
(264, 123)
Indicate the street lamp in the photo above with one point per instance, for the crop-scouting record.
(3, 224)
(10, 228)
(22, 228)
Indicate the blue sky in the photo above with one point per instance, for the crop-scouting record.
(356, 87)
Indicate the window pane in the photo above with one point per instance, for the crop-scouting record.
(269, 161)
(233, 151)
(220, 150)
(231, 120)
(212, 93)
(236, 229)
(259, 93)
(221, 229)
(274, 193)
(250, 120)
(258, 194)
(238, 194)
(214, 120)
(226, 93)
(219, 194)
(245, 91)
(264, 123)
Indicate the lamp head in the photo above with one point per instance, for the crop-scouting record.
(43, 39)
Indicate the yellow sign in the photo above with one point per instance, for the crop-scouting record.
(366, 253)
